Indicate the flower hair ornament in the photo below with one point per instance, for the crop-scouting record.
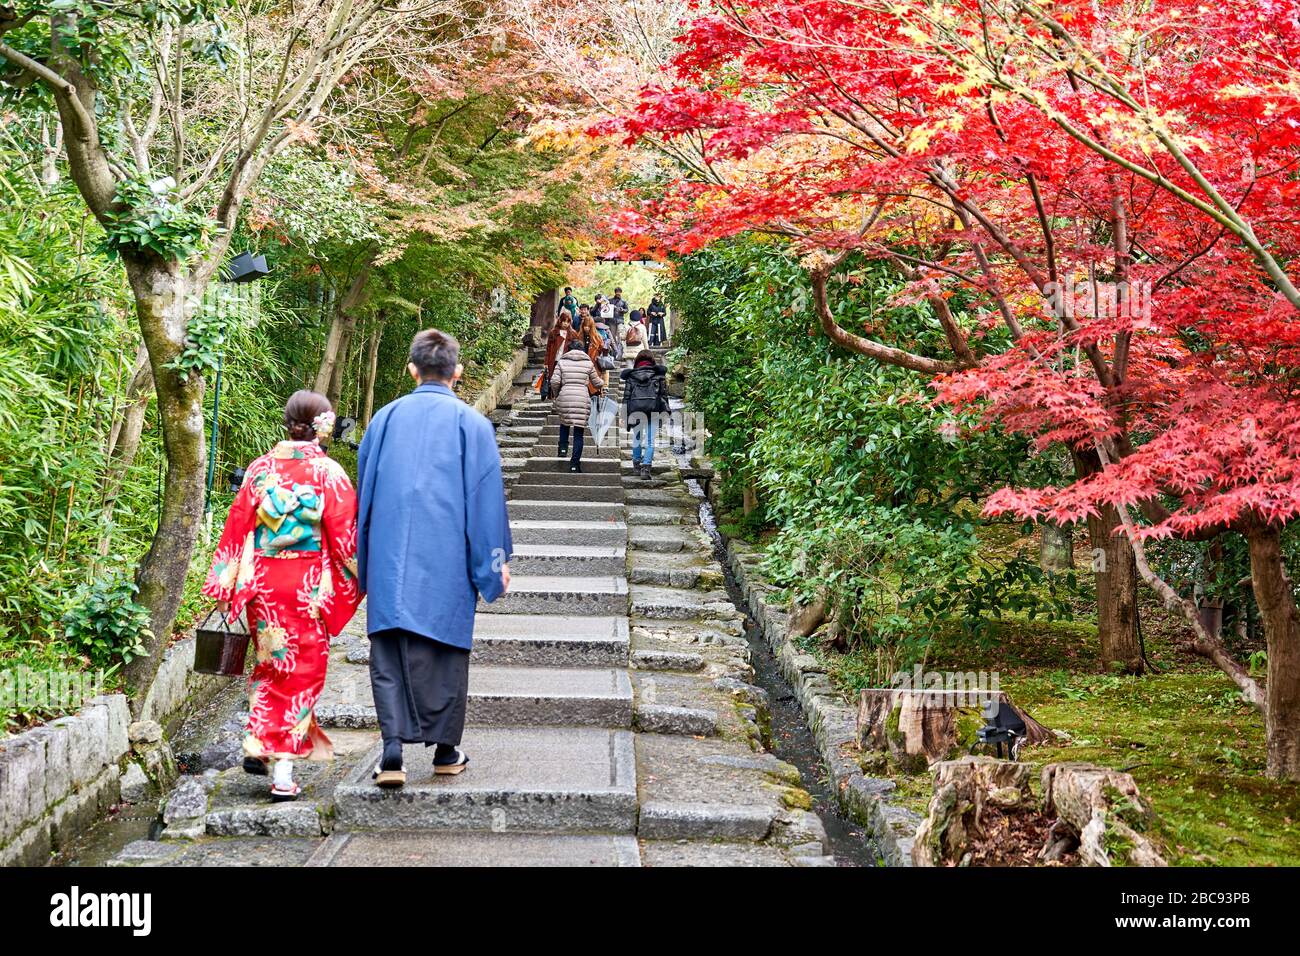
(323, 424)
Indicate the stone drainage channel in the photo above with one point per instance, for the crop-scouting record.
(791, 740)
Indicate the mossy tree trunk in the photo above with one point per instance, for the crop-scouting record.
(162, 293)
(1277, 611)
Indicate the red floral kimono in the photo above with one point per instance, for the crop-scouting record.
(288, 555)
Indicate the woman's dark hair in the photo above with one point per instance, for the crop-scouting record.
(301, 410)
(576, 343)
(644, 357)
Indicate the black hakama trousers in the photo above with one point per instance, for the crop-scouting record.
(420, 687)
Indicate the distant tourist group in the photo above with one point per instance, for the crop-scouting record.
(585, 345)
(423, 536)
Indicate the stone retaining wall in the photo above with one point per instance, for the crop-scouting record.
(486, 400)
(830, 717)
(57, 779)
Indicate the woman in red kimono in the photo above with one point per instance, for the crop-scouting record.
(288, 554)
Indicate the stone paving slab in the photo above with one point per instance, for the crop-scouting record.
(500, 696)
(557, 492)
(538, 640)
(561, 594)
(566, 509)
(422, 848)
(279, 851)
(604, 533)
(568, 559)
(547, 463)
(681, 570)
(575, 484)
(527, 779)
(666, 539)
(681, 604)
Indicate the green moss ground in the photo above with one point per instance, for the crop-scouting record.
(1195, 749)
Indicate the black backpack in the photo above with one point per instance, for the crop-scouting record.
(643, 393)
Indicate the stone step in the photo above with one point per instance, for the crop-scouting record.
(549, 463)
(534, 640)
(608, 491)
(566, 510)
(561, 594)
(501, 696)
(476, 848)
(519, 779)
(571, 482)
(567, 559)
(589, 533)
(551, 640)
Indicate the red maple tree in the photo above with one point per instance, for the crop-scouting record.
(1111, 183)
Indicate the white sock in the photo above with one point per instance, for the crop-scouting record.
(282, 774)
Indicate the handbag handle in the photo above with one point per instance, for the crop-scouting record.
(225, 624)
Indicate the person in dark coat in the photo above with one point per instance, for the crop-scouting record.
(433, 539)
(658, 329)
(645, 398)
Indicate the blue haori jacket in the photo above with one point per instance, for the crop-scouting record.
(432, 525)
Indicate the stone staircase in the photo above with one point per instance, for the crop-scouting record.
(609, 717)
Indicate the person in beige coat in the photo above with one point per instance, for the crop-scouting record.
(573, 373)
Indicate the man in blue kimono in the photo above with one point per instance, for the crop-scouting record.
(433, 537)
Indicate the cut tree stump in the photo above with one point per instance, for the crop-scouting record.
(962, 789)
(920, 727)
(1104, 811)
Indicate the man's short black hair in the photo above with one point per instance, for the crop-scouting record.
(435, 355)
(568, 288)
(618, 288)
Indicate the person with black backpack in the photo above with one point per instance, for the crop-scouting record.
(645, 397)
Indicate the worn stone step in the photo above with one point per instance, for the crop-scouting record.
(551, 640)
(476, 848)
(667, 539)
(551, 463)
(568, 559)
(535, 640)
(561, 594)
(528, 531)
(500, 696)
(565, 510)
(560, 492)
(519, 779)
(573, 483)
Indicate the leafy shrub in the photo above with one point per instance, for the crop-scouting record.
(106, 624)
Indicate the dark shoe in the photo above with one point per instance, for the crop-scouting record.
(561, 451)
(255, 766)
(645, 472)
(575, 468)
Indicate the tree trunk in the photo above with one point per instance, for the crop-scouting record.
(750, 499)
(161, 296)
(1277, 611)
(124, 439)
(335, 388)
(342, 326)
(372, 369)
(1116, 576)
(1055, 547)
